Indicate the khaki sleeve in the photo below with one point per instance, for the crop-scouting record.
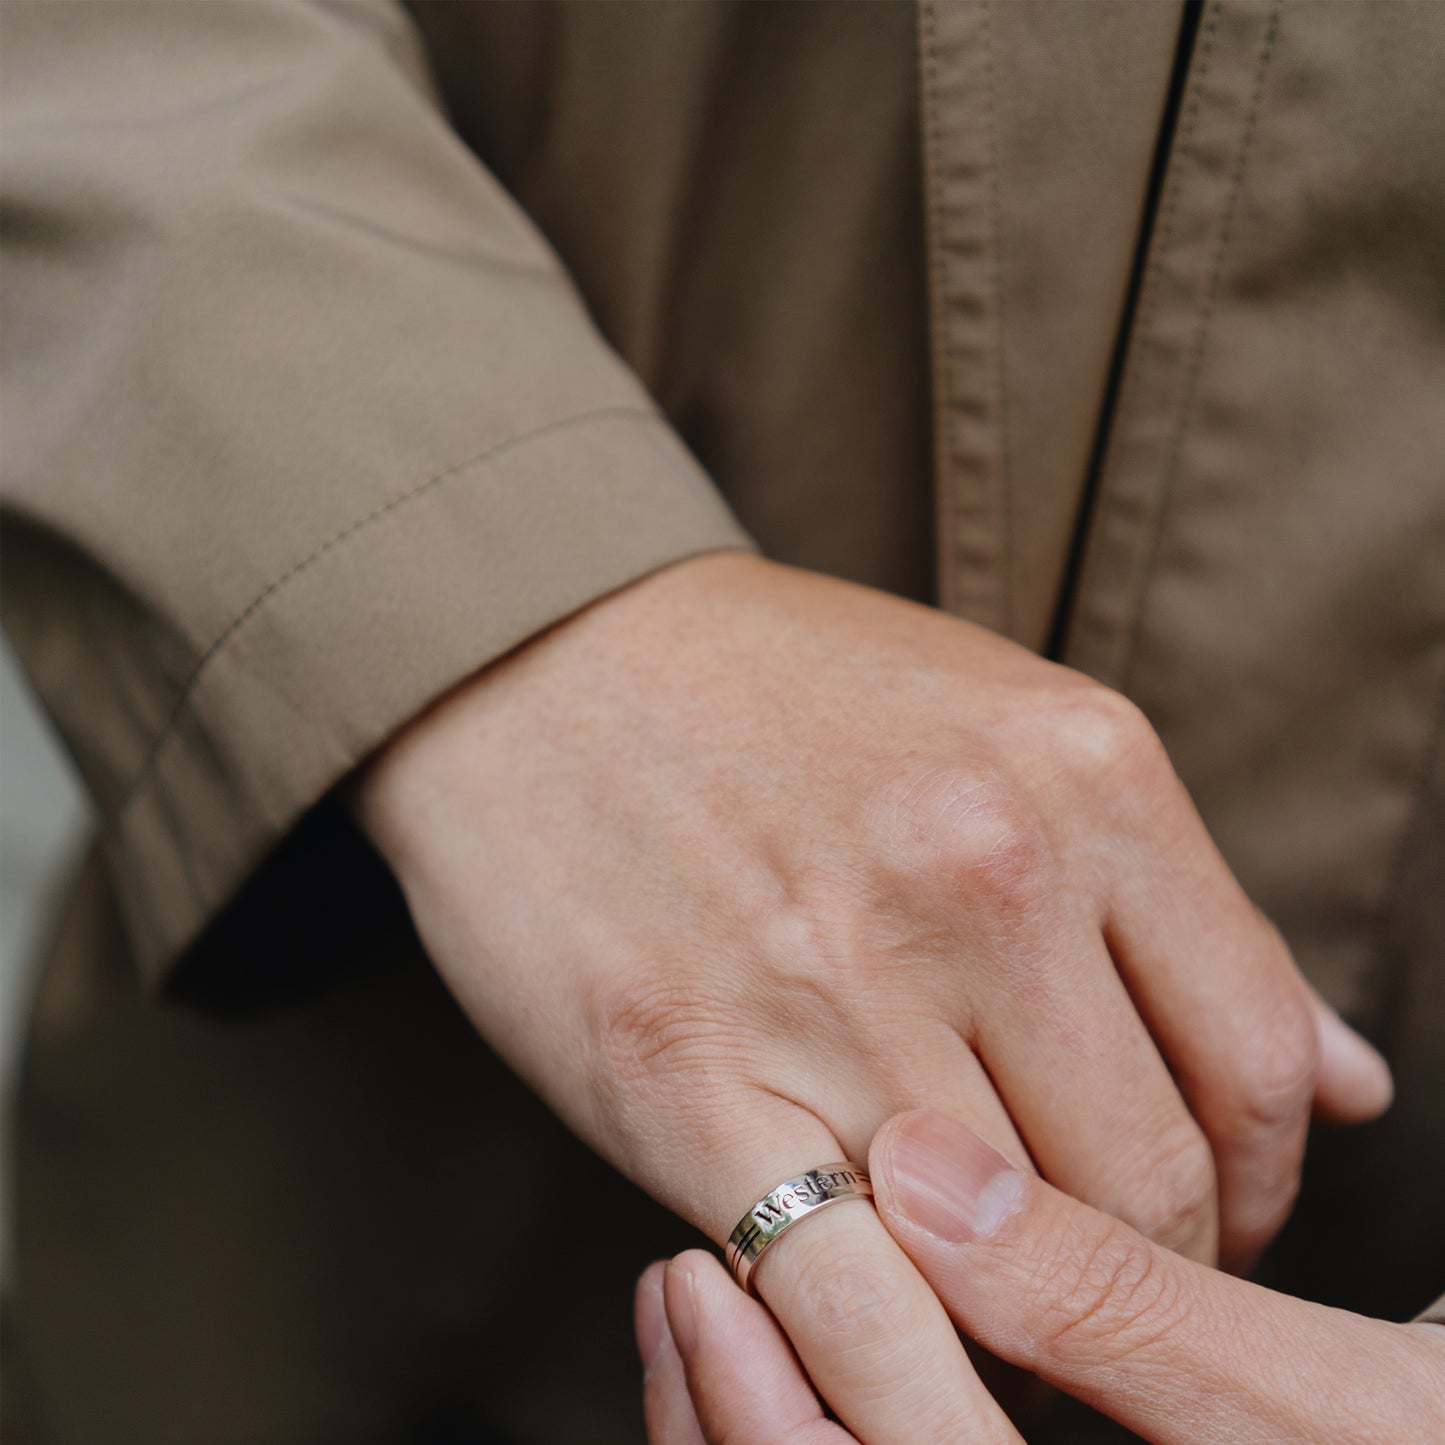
(303, 422)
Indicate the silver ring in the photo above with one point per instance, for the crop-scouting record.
(781, 1208)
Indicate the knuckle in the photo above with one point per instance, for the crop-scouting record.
(649, 1028)
(1103, 731)
(1112, 1297)
(1277, 1075)
(1252, 1223)
(853, 1312)
(976, 834)
(1181, 1191)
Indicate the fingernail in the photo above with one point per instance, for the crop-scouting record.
(948, 1181)
(649, 1317)
(1356, 1062)
(681, 1296)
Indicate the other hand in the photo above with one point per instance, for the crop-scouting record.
(743, 860)
(1179, 1353)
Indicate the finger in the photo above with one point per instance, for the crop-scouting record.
(666, 1403)
(1174, 1351)
(743, 1382)
(1127, 1143)
(871, 1334)
(1354, 1083)
(940, 1071)
(1221, 994)
(1212, 979)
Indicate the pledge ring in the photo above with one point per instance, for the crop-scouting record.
(781, 1208)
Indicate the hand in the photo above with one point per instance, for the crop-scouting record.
(1177, 1352)
(742, 860)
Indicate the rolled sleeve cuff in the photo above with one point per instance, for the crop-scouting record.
(374, 623)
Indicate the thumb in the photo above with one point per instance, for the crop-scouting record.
(1173, 1350)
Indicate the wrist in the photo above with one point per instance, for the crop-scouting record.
(407, 780)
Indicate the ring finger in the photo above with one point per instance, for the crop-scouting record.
(869, 1330)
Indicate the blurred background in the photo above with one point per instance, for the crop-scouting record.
(42, 818)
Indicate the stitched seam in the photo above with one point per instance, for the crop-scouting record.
(1150, 285)
(1155, 269)
(942, 373)
(1004, 491)
(1195, 361)
(345, 534)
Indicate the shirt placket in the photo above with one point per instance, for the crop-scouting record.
(959, 158)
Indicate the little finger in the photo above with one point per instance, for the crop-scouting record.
(666, 1404)
(1216, 984)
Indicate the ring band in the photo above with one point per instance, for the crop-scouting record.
(781, 1208)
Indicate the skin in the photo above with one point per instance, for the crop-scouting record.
(742, 860)
(1176, 1352)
